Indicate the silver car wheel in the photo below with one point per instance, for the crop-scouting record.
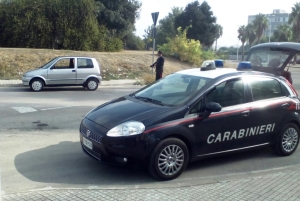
(290, 140)
(170, 160)
(36, 85)
(92, 84)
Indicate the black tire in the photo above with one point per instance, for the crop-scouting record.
(287, 141)
(36, 85)
(164, 149)
(92, 84)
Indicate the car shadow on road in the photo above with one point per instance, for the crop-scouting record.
(65, 163)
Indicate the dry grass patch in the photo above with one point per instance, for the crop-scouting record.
(116, 65)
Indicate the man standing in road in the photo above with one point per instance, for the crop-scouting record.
(159, 65)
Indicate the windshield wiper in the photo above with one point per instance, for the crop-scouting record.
(146, 99)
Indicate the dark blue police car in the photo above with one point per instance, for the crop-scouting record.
(193, 114)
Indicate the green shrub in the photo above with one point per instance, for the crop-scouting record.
(114, 44)
(208, 55)
(185, 49)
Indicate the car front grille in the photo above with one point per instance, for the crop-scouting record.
(92, 135)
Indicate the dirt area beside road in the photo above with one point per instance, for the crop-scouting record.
(115, 65)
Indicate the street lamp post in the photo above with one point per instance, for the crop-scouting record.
(270, 31)
(270, 23)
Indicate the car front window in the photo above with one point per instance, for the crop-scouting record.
(228, 93)
(174, 89)
(47, 65)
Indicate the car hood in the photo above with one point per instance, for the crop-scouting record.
(122, 110)
(35, 72)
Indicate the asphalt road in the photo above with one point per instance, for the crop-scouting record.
(40, 149)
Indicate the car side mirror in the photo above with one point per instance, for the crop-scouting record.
(213, 107)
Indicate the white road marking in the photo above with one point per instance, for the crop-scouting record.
(55, 108)
(24, 109)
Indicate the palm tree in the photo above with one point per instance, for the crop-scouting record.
(283, 33)
(218, 35)
(243, 38)
(251, 35)
(294, 20)
(260, 23)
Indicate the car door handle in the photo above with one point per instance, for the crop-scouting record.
(285, 105)
(245, 113)
(73, 70)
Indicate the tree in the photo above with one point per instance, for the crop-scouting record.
(294, 21)
(218, 34)
(133, 42)
(283, 33)
(251, 34)
(118, 15)
(68, 24)
(148, 37)
(242, 31)
(166, 28)
(202, 20)
(260, 24)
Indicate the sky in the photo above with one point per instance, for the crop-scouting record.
(230, 14)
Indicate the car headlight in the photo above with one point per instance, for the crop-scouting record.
(127, 129)
(24, 75)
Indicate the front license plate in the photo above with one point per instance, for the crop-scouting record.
(87, 143)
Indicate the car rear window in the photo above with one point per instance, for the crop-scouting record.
(265, 88)
(85, 63)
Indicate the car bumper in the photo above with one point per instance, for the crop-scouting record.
(114, 150)
(100, 79)
(26, 80)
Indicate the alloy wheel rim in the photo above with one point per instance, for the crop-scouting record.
(170, 160)
(290, 140)
(92, 84)
(36, 85)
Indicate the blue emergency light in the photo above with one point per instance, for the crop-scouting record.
(219, 63)
(244, 66)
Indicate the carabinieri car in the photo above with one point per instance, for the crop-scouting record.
(194, 114)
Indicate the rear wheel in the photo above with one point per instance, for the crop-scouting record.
(36, 85)
(169, 159)
(91, 84)
(287, 141)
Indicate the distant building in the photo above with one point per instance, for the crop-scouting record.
(276, 18)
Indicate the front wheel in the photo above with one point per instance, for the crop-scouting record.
(36, 85)
(92, 84)
(169, 159)
(287, 140)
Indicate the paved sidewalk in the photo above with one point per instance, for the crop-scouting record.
(103, 83)
(283, 185)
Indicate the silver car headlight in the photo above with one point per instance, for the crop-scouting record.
(24, 75)
(127, 129)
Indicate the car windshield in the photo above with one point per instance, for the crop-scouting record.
(47, 65)
(266, 57)
(172, 90)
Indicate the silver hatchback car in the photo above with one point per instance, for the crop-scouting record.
(65, 71)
